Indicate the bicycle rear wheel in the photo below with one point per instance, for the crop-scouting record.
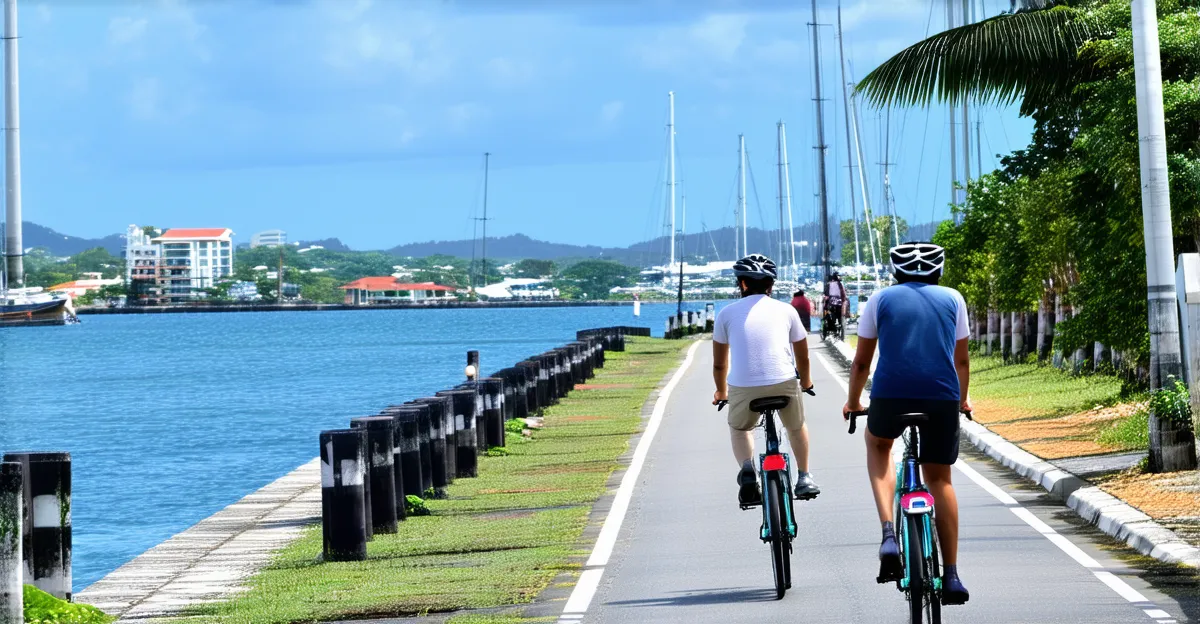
(933, 606)
(780, 549)
(914, 553)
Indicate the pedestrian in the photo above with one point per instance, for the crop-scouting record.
(804, 308)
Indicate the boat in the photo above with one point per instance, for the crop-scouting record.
(20, 306)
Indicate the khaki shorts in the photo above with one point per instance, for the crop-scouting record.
(742, 419)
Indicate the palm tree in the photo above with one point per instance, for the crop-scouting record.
(1031, 54)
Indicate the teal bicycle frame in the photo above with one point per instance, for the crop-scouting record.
(773, 460)
(913, 499)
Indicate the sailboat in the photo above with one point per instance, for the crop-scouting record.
(19, 305)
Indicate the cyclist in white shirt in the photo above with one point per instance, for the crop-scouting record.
(760, 349)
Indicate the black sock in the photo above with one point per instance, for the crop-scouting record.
(950, 570)
(888, 530)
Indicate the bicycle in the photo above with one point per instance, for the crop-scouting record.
(775, 479)
(917, 533)
(832, 323)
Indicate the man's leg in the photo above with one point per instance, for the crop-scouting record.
(883, 479)
(743, 445)
(799, 440)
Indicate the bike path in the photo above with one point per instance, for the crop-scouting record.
(687, 553)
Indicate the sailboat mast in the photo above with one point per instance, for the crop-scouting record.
(14, 249)
(779, 176)
(787, 187)
(671, 169)
(826, 244)
(849, 151)
(872, 235)
(742, 191)
(483, 262)
(889, 200)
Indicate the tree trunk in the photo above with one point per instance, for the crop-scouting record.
(1100, 356)
(1003, 317)
(1045, 325)
(1018, 336)
(1060, 315)
(991, 332)
(976, 326)
(1031, 331)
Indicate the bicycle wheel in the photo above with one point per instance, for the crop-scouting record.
(933, 607)
(780, 553)
(914, 554)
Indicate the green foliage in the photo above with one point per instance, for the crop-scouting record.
(515, 425)
(42, 608)
(534, 268)
(45, 270)
(415, 506)
(880, 232)
(1129, 433)
(497, 451)
(1172, 402)
(593, 279)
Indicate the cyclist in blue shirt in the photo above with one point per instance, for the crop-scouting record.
(921, 331)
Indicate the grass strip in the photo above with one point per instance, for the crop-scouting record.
(498, 539)
(1039, 390)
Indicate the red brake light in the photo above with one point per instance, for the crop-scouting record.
(774, 462)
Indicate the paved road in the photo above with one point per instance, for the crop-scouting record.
(686, 553)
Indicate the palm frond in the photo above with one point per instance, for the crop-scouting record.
(1028, 54)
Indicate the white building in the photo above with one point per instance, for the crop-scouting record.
(193, 259)
(268, 238)
(142, 260)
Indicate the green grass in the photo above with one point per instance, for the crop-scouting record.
(498, 539)
(42, 608)
(1129, 433)
(1040, 390)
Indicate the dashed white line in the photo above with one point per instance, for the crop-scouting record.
(589, 580)
(1114, 582)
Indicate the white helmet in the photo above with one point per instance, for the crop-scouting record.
(755, 266)
(918, 259)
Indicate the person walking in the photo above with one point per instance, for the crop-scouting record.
(804, 308)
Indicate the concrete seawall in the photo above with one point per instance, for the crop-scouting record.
(315, 307)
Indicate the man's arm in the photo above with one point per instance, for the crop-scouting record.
(802, 366)
(860, 369)
(962, 363)
(720, 370)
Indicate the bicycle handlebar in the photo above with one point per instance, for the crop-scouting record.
(853, 417)
(810, 391)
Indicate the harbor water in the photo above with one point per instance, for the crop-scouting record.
(171, 417)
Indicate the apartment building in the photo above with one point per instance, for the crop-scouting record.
(142, 264)
(268, 238)
(193, 259)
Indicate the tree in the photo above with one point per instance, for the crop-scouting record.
(534, 268)
(883, 236)
(593, 279)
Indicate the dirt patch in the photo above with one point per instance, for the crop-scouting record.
(602, 386)
(1171, 495)
(1066, 436)
(989, 411)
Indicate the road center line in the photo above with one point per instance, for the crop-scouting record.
(589, 580)
(1072, 550)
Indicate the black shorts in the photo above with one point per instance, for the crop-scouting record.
(939, 437)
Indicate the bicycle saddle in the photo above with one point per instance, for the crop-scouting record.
(908, 420)
(768, 404)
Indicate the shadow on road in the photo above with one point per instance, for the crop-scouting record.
(727, 595)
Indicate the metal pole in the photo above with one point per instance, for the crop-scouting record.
(849, 151)
(872, 236)
(1172, 447)
(13, 244)
(671, 168)
(953, 130)
(483, 252)
(826, 245)
(787, 185)
(742, 190)
(966, 124)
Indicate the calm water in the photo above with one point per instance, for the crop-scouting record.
(169, 418)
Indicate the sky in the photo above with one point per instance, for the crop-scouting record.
(368, 120)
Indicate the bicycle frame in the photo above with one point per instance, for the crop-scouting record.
(913, 499)
(773, 460)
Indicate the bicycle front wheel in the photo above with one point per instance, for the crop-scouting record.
(922, 598)
(780, 548)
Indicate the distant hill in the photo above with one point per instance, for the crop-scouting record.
(512, 246)
(332, 244)
(59, 244)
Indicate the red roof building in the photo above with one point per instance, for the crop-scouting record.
(375, 290)
(196, 233)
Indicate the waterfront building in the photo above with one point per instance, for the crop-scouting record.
(142, 264)
(90, 283)
(518, 288)
(244, 291)
(268, 238)
(193, 259)
(374, 290)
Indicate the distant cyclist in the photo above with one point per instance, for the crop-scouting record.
(921, 329)
(760, 349)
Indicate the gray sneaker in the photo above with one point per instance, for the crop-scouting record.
(806, 488)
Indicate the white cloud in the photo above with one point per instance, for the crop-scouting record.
(123, 30)
(611, 111)
(715, 37)
(464, 114)
(146, 99)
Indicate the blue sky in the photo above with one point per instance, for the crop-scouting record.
(367, 120)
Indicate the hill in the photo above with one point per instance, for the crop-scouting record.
(59, 244)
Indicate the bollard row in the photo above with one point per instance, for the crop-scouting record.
(418, 448)
(690, 322)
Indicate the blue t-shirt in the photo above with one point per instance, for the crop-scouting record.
(917, 326)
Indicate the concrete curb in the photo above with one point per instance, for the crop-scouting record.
(1105, 511)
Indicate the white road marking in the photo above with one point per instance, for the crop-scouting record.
(1114, 582)
(589, 580)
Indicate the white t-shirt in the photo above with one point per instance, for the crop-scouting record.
(759, 331)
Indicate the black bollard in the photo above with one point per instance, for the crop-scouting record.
(343, 494)
(515, 400)
(381, 471)
(547, 395)
(480, 428)
(532, 397)
(46, 516)
(410, 450)
(508, 402)
(466, 462)
(473, 360)
(566, 374)
(493, 410)
(425, 441)
(11, 494)
(437, 443)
